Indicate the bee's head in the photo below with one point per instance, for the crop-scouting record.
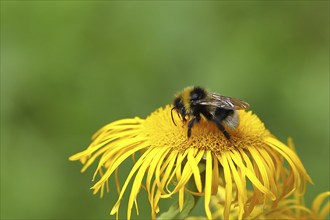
(178, 106)
(197, 93)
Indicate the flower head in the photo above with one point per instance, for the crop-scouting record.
(292, 207)
(249, 166)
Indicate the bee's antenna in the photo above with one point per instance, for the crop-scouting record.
(172, 115)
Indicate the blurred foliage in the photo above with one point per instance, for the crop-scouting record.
(69, 67)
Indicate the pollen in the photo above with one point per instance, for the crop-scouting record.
(205, 134)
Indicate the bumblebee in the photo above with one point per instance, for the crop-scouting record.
(193, 102)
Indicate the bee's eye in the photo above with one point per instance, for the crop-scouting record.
(197, 94)
(194, 96)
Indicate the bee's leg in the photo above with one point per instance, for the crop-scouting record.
(217, 120)
(221, 127)
(191, 123)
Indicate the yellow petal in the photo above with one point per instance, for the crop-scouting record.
(208, 184)
(229, 185)
(318, 202)
(193, 162)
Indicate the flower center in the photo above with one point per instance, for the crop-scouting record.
(205, 135)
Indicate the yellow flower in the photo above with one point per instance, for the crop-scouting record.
(287, 208)
(318, 212)
(252, 160)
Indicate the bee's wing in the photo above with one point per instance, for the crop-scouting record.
(224, 102)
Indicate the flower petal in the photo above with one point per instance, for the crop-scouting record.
(208, 184)
(229, 185)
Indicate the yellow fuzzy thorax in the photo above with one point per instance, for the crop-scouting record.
(185, 97)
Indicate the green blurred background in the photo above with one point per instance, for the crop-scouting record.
(69, 67)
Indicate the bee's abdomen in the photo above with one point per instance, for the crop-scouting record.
(229, 117)
(232, 120)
